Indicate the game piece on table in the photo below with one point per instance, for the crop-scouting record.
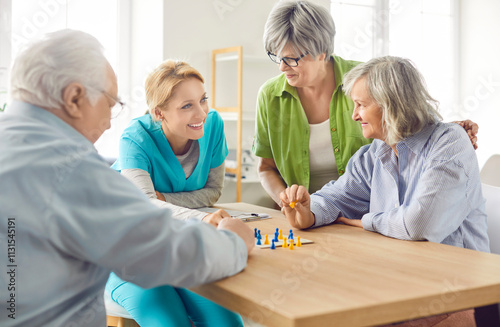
(280, 235)
(279, 243)
(292, 204)
(290, 247)
(258, 241)
(255, 231)
(258, 234)
(276, 237)
(290, 235)
(273, 246)
(266, 240)
(285, 244)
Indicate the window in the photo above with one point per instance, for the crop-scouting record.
(424, 31)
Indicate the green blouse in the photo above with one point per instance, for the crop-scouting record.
(282, 129)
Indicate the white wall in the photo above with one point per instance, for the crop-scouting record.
(480, 72)
(192, 31)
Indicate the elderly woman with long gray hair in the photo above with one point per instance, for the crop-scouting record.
(418, 180)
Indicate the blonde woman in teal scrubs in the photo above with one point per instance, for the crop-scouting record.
(175, 154)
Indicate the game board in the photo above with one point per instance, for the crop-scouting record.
(280, 239)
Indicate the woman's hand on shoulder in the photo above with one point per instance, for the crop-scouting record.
(297, 206)
(471, 128)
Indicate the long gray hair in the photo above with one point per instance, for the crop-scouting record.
(400, 91)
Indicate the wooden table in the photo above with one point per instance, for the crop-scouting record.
(352, 277)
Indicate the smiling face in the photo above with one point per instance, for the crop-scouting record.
(185, 113)
(367, 111)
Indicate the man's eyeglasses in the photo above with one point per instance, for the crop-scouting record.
(291, 62)
(118, 107)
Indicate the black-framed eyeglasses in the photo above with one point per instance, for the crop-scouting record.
(291, 62)
(118, 107)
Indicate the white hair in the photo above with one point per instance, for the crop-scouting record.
(400, 90)
(305, 26)
(46, 67)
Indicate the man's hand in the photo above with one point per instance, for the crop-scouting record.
(238, 227)
(215, 218)
(297, 206)
(471, 128)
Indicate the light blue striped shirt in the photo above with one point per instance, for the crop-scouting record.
(430, 191)
(70, 220)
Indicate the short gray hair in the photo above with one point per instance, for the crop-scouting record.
(400, 90)
(46, 67)
(305, 26)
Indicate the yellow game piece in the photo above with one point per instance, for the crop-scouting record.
(284, 242)
(292, 204)
(280, 235)
(266, 241)
(298, 241)
(291, 245)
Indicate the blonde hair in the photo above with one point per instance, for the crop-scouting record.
(161, 82)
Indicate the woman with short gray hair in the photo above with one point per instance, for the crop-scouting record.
(418, 180)
(304, 133)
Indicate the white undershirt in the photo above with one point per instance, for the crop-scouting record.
(322, 164)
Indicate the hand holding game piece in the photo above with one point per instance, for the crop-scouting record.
(300, 216)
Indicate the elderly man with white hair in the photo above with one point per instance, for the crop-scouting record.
(66, 219)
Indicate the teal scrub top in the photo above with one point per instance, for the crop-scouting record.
(143, 145)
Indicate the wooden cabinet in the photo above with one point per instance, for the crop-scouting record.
(218, 55)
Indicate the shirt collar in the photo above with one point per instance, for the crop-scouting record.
(415, 143)
(39, 115)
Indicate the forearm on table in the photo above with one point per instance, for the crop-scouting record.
(179, 212)
(205, 197)
(142, 180)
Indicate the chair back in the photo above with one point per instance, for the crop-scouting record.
(492, 196)
(490, 173)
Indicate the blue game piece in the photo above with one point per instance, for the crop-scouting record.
(255, 231)
(273, 247)
(276, 237)
(290, 236)
(258, 235)
(258, 241)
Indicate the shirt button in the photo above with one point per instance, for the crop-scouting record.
(336, 149)
(334, 129)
